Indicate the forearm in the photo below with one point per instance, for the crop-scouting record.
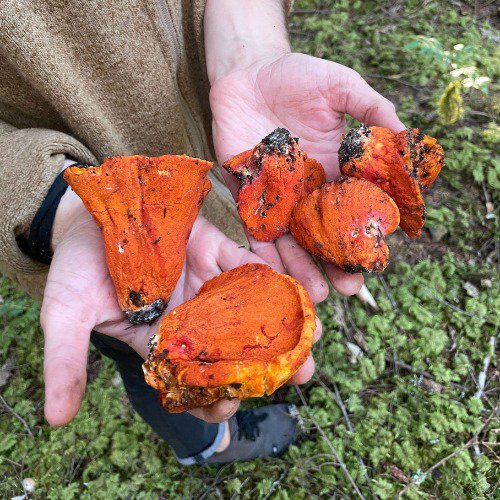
(239, 33)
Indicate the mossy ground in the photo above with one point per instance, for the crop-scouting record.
(395, 389)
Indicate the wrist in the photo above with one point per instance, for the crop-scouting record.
(239, 34)
(70, 212)
(245, 55)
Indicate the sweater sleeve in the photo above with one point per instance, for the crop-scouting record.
(30, 160)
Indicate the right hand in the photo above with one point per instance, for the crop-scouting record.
(80, 297)
(310, 97)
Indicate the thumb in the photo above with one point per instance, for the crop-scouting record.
(67, 331)
(365, 104)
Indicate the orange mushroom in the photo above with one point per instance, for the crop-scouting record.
(145, 208)
(244, 335)
(403, 165)
(274, 176)
(345, 222)
(314, 174)
(423, 153)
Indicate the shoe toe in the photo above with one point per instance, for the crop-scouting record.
(282, 427)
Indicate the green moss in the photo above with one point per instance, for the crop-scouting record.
(410, 394)
(399, 417)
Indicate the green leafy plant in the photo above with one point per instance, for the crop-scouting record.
(460, 63)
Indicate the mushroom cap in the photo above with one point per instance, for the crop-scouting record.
(424, 154)
(314, 174)
(401, 164)
(274, 176)
(237, 165)
(145, 208)
(272, 179)
(244, 335)
(345, 222)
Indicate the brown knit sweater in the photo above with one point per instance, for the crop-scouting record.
(87, 79)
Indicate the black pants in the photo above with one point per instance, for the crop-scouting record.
(191, 439)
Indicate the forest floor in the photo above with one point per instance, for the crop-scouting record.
(404, 397)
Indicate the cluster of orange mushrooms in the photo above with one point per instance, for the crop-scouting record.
(250, 329)
(343, 222)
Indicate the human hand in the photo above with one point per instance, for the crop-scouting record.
(309, 97)
(80, 297)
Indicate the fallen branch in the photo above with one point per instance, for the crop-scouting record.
(330, 444)
(469, 443)
(21, 419)
(481, 379)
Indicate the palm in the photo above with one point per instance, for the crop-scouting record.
(307, 95)
(291, 92)
(80, 297)
(79, 291)
(208, 253)
(310, 97)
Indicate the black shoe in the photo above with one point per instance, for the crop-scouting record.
(259, 433)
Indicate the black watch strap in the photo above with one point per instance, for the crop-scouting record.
(38, 245)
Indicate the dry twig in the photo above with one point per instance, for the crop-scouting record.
(481, 379)
(340, 403)
(21, 419)
(387, 290)
(469, 443)
(312, 11)
(451, 306)
(330, 444)
(276, 483)
(395, 79)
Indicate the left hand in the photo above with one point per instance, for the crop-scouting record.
(309, 97)
(82, 298)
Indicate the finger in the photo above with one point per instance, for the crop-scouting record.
(305, 372)
(268, 252)
(319, 330)
(228, 254)
(265, 250)
(302, 267)
(137, 337)
(368, 106)
(219, 411)
(67, 334)
(345, 283)
(232, 255)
